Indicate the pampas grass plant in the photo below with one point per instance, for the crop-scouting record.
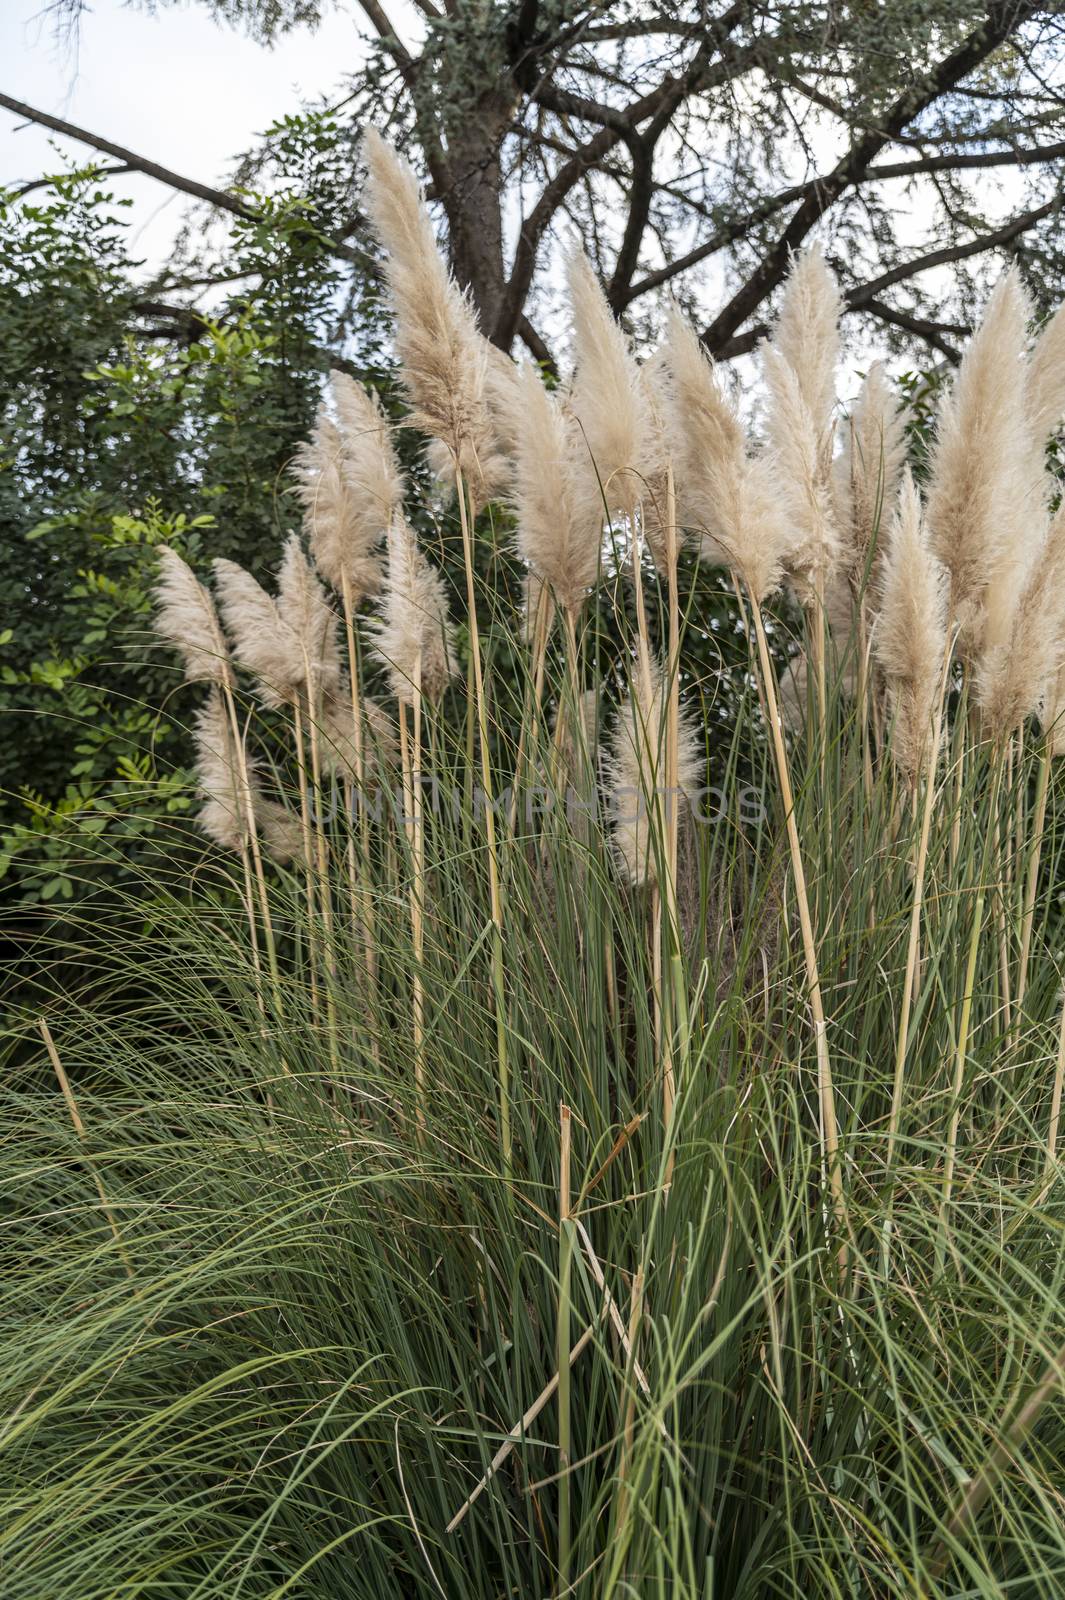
(678, 1212)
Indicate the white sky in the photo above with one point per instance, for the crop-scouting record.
(176, 87)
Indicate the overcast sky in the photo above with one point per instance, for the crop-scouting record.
(175, 86)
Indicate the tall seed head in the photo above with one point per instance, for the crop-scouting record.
(414, 632)
(806, 335)
(186, 618)
(910, 635)
(442, 356)
(607, 397)
(304, 608)
(868, 470)
(723, 494)
(1046, 380)
(223, 816)
(799, 456)
(636, 774)
(267, 640)
(559, 516)
(349, 484)
(1013, 679)
(984, 513)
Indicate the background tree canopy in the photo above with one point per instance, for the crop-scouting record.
(697, 144)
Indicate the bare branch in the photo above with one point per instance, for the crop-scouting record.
(1004, 17)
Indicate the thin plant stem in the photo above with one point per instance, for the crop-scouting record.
(361, 899)
(79, 1129)
(916, 910)
(565, 1266)
(247, 803)
(1031, 886)
(530, 722)
(412, 813)
(965, 1020)
(308, 850)
(628, 1427)
(1051, 1161)
(494, 889)
(826, 1093)
(325, 888)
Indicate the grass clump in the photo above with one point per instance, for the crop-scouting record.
(512, 1168)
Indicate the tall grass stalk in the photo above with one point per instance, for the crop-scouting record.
(825, 1089)
(466, 518)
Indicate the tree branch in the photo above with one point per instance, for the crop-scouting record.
(132, 162)
(152, 169)
(866, 296)
(1003, 18)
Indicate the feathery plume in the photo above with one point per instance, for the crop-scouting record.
(652, 377)
(636, 767)
(1046, 379)
(349, 484)
(982, 500)
(340, 753)
(269, 636)
(502, 389)
(559, 521)
(723, 493)
(218, 774)
(799, 460)
(442, 355)
(342, 545)
(303, 606)
(869, 468)
(374, 478)
(186, 618)
(414, 626)
(910, 637)
(262, 643)
(607, 396)
(1012, 679)
(806, 335)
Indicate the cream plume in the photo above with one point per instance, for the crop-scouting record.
(910, 637)
(869, 468)
(559, 518)
(1013, 678)
(652, 377)
(337, 724)
(218, 772)
(340, 540)
(982, 506)
(799, 457)
(607, 396)
(1046, 379)
(806, 335)
(303, 606)
(636, 768)
(724, 495)
(350, 486)
(186, 618)
(269, 636)
(443, 361)
(414, 629)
